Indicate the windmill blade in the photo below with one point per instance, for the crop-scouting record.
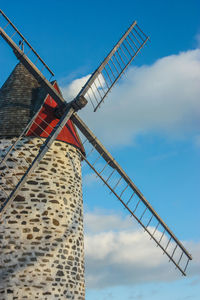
(16, 167)
(11, 30)
(122, 187)
(31, 67)
(123, 53)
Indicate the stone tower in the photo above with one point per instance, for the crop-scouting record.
(41, 233)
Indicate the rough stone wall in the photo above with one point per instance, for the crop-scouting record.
(41, 233)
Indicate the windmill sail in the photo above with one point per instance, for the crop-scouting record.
(102, 80)
(11, 30)
(122, 187)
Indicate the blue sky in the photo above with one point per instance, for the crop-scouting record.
(156, 140)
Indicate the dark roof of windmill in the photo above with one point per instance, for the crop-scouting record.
(20, 98)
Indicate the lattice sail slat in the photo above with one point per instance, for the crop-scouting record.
(114, 65)
(122, 187)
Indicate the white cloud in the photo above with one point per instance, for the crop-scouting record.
(73, 88)
(94, 223)
(162, 98)
(119, 254)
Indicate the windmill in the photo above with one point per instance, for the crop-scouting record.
(41, 215)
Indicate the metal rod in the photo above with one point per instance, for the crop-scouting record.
(180, 258)
(156, 228)
(114, 65)
(90, 98)
(104, 167)
(86, 140)
(174, 251)
(132, 41)
(110, 176)
(130, 198)
(124, 53)
(168, 243)
(43, 120)
(141, 30)
(21, 157)
(130, 45)
(118, 62)
(149, 221)
(162, 235)
(90, 152)
(117, 183)
(101, 84)
(13, 174)
(6, 25)
(2, 188)
(135, 37)
(186, 265)
(111, 81)
(124, 190)
(13, 34)
(143, 214)
(111, 70)
(127, 49)
(7, 180)
(98, 90)
(101, 154)
(27, 53)
(96, 160)
(4, 195)
(42, 69)
(105, 79)
(137, 205)
(36, 60)
(121, 58)
(43, 130)
(138, 34)
(94, 94)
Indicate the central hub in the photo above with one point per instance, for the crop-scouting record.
(77, 104)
